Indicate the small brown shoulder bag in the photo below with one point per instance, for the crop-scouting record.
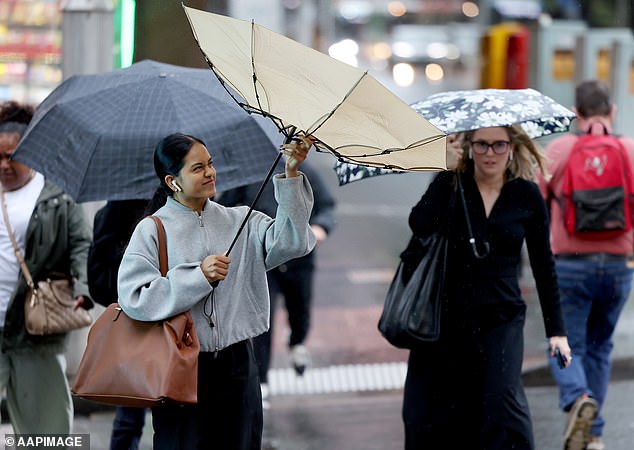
(49, 304)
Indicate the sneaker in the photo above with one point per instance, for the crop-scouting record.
(300, 359)
(595, 443)
(265, 396)
(580, 418)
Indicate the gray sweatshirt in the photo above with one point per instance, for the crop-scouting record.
(241, 301)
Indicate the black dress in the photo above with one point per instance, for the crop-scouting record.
(464, 391)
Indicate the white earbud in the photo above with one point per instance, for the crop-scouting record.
(176, 186)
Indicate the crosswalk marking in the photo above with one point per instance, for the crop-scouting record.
(380, 276)
(343, 378)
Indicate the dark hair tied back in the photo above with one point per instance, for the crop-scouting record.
(169, 155)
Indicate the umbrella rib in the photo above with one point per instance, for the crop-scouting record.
(245, 106)
(335, 150)
(223, 82)
(213, 68)
(248, 108)
(345, 97)
(347, 159)
(260, 110)
(254, 75)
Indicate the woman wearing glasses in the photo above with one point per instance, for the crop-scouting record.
(464, 390)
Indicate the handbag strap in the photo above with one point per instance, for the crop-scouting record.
(162, 245)
(472, 240)
(16, 247)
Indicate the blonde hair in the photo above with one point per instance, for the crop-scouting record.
(527, 154)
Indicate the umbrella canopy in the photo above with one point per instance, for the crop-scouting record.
(302, 90)
(458, 111)
(349, 172)
(95, 135)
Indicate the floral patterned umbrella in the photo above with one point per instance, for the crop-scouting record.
(457, 111)
(348, 172)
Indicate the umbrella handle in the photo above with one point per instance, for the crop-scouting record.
(476, 252)
(288, 140)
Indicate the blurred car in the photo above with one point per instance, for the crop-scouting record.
(422, 44)
(450, 43)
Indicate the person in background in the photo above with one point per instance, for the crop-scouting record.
(112, 228)
(53, 236)
(595, 279)
(465, 390)
(227, 295)
(293, 279)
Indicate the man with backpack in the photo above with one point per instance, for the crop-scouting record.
(589, 194)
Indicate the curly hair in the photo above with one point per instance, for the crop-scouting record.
(12, 111)
(527, 154)
(14, 117)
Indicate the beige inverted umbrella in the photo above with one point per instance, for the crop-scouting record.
(346, 110)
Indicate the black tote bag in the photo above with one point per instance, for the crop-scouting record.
(411, 313)
(412, 308)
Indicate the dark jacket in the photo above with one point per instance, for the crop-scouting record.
(112, 228)
(487, 290)
(57, 240)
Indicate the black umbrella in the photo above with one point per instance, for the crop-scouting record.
(94, 135)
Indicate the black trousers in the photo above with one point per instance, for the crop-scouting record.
(228, 415)
(465, 391)
(295, 283)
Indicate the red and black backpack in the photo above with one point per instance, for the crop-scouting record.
(597, 188)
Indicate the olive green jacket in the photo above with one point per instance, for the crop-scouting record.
(57, 240)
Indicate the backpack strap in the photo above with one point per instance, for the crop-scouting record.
(604, 128)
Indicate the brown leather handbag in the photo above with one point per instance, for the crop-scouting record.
(49, 305)
(144, 364)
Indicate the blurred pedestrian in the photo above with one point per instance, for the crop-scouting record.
(227, 295)
(53, 236)
(292, 280)
(464, 390)
(595, 278)
(112, 228)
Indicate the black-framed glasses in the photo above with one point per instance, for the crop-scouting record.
(498, 147)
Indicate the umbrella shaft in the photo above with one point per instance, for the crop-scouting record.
(257, 196)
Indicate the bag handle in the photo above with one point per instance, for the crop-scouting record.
(162, 245)
(16, 248)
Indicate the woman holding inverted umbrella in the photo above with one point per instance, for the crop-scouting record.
(464, 390)
(226, 314)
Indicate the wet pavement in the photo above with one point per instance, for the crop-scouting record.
(371, 421)
(365, 417)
